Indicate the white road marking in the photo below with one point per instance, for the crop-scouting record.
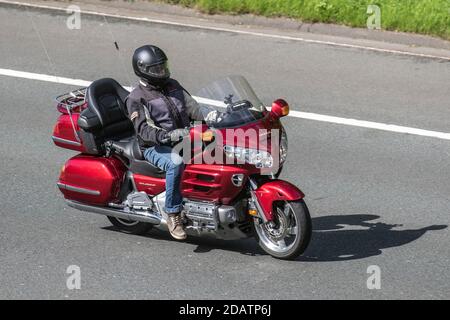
(258, 34)
(295, 114)
(43, 77)
(370, 125)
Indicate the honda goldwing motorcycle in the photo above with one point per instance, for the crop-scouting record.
(236, 196)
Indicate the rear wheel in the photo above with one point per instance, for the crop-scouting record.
(288, 235)
(129, 226)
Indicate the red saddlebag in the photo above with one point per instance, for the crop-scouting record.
(92, 180)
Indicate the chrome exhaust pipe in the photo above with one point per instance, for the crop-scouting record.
(116, 213)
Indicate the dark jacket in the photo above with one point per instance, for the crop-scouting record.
(155, 111)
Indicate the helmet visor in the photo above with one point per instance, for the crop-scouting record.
(157, 70)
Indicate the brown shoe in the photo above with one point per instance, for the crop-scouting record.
(175, 225)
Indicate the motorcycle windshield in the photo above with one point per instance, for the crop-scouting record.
(235, 101)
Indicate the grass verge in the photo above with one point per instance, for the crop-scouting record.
(430, 17)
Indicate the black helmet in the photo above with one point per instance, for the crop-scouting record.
(150, 63)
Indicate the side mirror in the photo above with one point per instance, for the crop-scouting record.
(280, 108)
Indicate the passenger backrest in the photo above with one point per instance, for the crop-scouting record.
(106, 116)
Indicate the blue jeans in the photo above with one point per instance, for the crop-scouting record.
(172, 164)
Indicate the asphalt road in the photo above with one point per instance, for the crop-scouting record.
(377, 198)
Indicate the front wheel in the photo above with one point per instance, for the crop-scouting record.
(288, 235)
(134, 227)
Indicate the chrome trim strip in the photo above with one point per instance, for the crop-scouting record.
(61, 140)
(78, 189)
(258, 206)
(253, 188)
(131, 177)
(111, 212)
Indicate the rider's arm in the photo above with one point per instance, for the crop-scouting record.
(197, 112)
(144, 126)
(194, 111)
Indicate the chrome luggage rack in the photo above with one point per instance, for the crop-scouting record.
(72, 100)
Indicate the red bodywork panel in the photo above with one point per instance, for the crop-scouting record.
(203, 182)
(247, 136)
(211, 182)
(90, 179)
(63, 134)
(149, 185)
(274, 191)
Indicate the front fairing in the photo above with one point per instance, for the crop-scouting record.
(235, 101)
(254, 135)
(244, 123)
(244, 120)
(262, 135)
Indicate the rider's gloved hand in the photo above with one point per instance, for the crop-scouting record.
(176, 135)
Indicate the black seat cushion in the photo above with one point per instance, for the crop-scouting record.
(106, 116)
(145, 168)
(129, 148)
(106, 97)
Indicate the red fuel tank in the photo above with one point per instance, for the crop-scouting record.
(92, 180)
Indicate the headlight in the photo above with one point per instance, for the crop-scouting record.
(283, 146)
(260, 159)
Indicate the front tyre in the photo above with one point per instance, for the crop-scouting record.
(134, 227)
(288, 235)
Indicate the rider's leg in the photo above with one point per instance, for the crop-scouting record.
(172, 163)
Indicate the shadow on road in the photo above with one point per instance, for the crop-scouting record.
(335, 238)
(349, 237)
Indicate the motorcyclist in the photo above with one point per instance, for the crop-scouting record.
(161, 110)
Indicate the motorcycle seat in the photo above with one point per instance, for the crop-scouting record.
(130, 149)
(105, 117)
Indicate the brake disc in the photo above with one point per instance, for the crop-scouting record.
(277, 229)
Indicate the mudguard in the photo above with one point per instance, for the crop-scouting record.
(276, 190)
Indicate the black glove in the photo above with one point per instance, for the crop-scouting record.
(175, 135)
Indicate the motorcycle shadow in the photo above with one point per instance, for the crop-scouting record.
(334, 238)
(357, 236)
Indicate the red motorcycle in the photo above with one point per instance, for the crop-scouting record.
(230, 184)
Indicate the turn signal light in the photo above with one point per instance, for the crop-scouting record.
(280, 108)
(253, 212)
